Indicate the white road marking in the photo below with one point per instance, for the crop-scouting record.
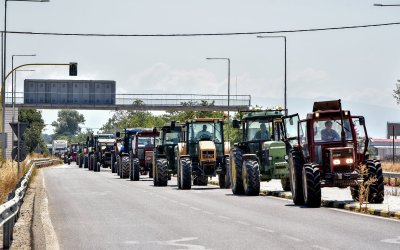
(264, 229)
(176, 243)
(224, 217)
(195, 208)
(319, 247)
(392, 241)
(242, 223)
(291, 238)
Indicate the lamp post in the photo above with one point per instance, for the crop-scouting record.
(284, 95)
(229, 84)
(13, 84)
(4, 55)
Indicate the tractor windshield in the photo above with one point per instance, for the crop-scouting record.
(329, 130)
(171, 137)
(209, 131)
(146, 141)
(258, 130)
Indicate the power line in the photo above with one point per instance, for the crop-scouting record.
(202, 34)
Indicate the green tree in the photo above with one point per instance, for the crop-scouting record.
(33, 134)
(67, 123)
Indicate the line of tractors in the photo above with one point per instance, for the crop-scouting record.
(326, 149)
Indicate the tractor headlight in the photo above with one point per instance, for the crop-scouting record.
(286, 157)
(336, 162)
(349, 161)
(270, 158)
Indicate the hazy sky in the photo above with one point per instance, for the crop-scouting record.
(360, 66)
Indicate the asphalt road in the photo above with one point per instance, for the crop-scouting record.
(101, 211)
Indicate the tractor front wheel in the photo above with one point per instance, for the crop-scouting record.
(295, 173)
(186, 174)
(251, 177)
(376, 190)
(161, 173)
(285, 184)
(125, 165)
(311, 186)
(235, 159)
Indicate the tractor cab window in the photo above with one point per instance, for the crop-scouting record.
(171, 137)
(200, 131)
(360, 134)
(258, 130)
(146, 141)
(329, 130)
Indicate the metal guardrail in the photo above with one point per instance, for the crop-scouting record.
(391, 175)
(9, 211)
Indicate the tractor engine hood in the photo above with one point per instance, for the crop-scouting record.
(207, 151)
(275, 153)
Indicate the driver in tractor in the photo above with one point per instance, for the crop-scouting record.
(262, 134)
(329, 134)
(204, 134)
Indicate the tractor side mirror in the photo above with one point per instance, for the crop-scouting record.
(291, 121)
(236, 123)
(362, 121)
(154, 130)
(87, 139)
(173, 125)
(117, 134)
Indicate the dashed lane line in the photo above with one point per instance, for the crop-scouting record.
(265, 229)
(291, 238)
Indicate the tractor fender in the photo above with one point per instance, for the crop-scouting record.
(124, 154)
(250, 157)
(227, 148)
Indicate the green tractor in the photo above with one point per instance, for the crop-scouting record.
(261, 156)
(164, 156)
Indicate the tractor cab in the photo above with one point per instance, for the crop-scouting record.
(142, 146)
(331, 138)
(328, 149)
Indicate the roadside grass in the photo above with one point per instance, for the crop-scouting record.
(390, 167)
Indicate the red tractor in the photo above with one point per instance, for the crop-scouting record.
(143, 144)
(327, 149)
(74, 150)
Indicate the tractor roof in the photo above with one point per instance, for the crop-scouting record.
(107, 141)
(204, 120)
(132, 130)
(326, 105)
(255, 115)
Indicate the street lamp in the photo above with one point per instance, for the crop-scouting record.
(284, 95)
(14, 83)
(4, 55)
(229, 83)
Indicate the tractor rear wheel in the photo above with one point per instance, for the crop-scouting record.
(150, 168)
(285, 184)
(91, 163)
(112, 164)
(224, 180)
(311, 185)
(295, 172)
(95, 163)
(251, 177)
(85, 162)
(186, 173)
(161, 173)
(235, 159)
(125, 165)
(376, 189)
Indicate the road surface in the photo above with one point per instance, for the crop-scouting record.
(101, 211)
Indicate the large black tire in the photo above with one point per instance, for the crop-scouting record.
(296, 163)
(136, 169)
(112, 163)
(285, 184)
(95, 165)
(118, 165)
(91, 163)
(251, 177)
(200, 180)
(311, 185)
(224, 180)
(235, 159)
(185, 173)
(160, 176)
(150, 168)
(125, 165)
(80, 162)
(86, 162)
(376, 189)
